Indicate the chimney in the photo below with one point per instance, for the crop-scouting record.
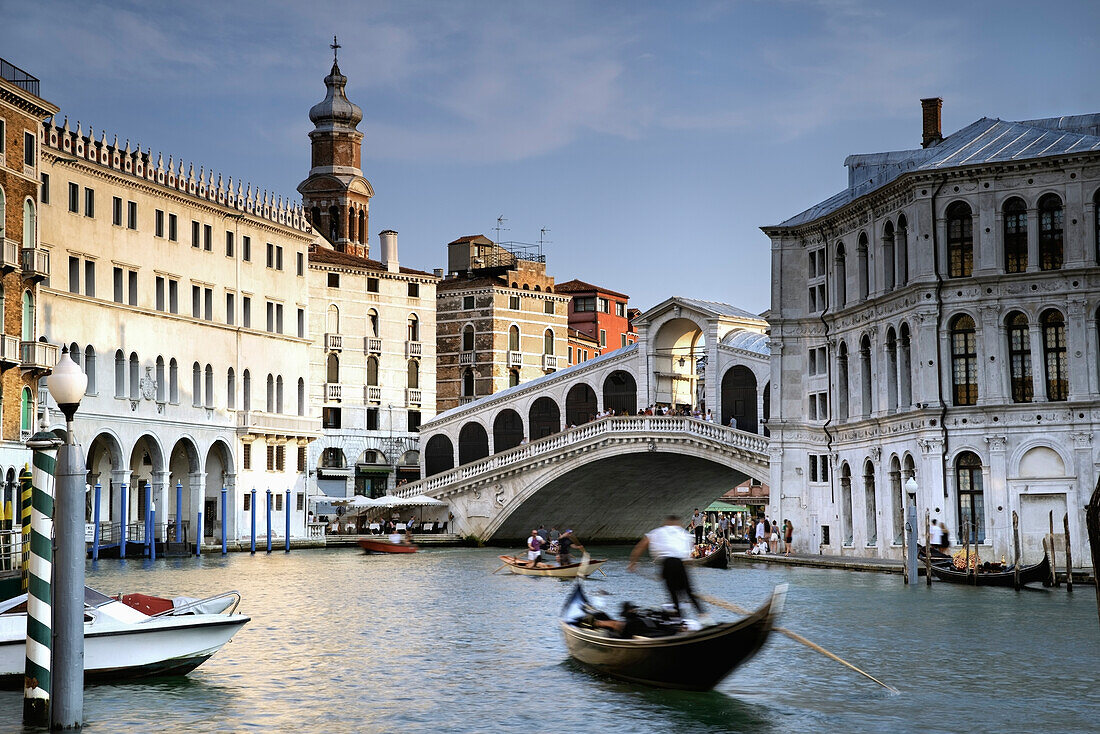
(933, 132)
(438, 272)
(388, 238)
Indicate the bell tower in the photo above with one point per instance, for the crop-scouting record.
(336, 195)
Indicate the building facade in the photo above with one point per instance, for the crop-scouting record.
(24, 264)
(599, 313)
(500, 321)
(937, 320)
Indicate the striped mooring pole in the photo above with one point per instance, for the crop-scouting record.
(25, 494)
(38, 681)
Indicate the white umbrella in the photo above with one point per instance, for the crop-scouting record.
(424, 500)
(358, 501)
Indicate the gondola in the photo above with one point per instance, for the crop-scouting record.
(717, 558)
(1028, 574)
(694, 661)
(370, 545)
(938, 556)
(568, 571)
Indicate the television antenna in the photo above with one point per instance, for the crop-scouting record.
(542, 238)
(500, 226)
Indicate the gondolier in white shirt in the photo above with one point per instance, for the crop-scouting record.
(671, 545)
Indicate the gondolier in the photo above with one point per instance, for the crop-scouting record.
(671, 545)
(534, 548)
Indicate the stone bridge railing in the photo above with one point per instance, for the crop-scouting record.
(751, 443)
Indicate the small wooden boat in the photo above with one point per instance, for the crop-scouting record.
(370, 545)
(693, 661)
(717, 558)
(1038, 572)
(568, 571)
(938, 556)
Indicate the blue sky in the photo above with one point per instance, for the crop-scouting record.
(652, 139)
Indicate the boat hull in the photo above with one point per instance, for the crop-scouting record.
(1037, 573)
(570, 571)
(719, 558)
(384, 546)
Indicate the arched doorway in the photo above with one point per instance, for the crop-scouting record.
(183, 464)
(544, 418)
(473, 443)
(580, 404)
(739, 398)
(219, 474)
(439, 455)
(105, 457)
(146, 462)
(507, 430)
(678, 344)
(620, 393)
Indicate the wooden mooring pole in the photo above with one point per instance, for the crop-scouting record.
(1092, 523)
(927, 549)
(1016, 551)
(905, 546)
(1053, 559)
(1069, 557)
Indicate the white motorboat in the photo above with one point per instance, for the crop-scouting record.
(121, 642)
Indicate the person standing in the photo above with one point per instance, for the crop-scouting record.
(566, 543)
(534, 548)
(697, 525)
(935, 539)
(788, 535)
(670, 545)
(723, 526)
(761, 531)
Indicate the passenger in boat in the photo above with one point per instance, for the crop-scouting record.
(534, 549)
(697, 525)
(671, 545)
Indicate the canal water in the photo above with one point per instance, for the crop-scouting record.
(342, 642)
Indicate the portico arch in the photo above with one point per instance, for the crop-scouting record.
(544, 418)
(219, 473)
(580, 404)
(620, 393)
(678, 343)
(107, 468)
(439, 455)
(738, 398)
(507, 430)
(473, 443)
(148, 467)
(184, 468)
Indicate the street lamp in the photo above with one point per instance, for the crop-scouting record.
(67, 384)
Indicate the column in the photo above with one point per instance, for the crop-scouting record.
(925, 387)
(931, 483)
(991, 357)
(232, 502)
(118, 478)
(1038, 360)
(1091, 246)
(1077, 338)
(1032, 240)
(998, 522)
(1086, 481)
(196, 487)
(164, 507)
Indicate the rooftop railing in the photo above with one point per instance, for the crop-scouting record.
(19, 78)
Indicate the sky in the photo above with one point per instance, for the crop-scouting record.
(652, 139)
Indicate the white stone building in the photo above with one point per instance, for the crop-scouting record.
(937, 319)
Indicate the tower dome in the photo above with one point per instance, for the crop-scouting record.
(335, 110)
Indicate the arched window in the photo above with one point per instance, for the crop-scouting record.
(468, 383)
(372, 324)
(1054, 355)
(74, 352)
(162, 387)
(351, 224)
(135, 375)
(372, 371)
(173, 382)
(301, 396)
(26, 411)
(332, 319)
(870, 505)
(332, 369)
(841, 271)
(29, 224)
(333, 224)
(513, 377)
(548, 341)
(414, 328)
(842, 381)
(196, 385)
(209, 392)
(960, 241)
(120, 374)
(279, 394)
(468, 338)
(513, 338)
(315, 217)
(846, 503)
(28, 317)
(905, 370)
(888, 268)
(246, 391)
(362, 226)
(964, 361)
(891, 370)
(1050, 233)
(414, 374)
(864, 267)
(968, 484)
(231, 389)
(866, 388)
(1019, 357)
(269, 405)
(897, 495)
(901, 246)
(1015, 235)
(89, 369)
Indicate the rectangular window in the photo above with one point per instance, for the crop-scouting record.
(271, 457)
(246, 312)
(603, 337)
(548, 306)
(414, 420)
(131, 215)
(196, 301)
(116, 211)
(246, 248)
(280, 465)
(414, 290)
(195, 229)
(372, 418)
(207, 238)
(570, 355)
(270, 255)
(118, 285)
(270, 316)
(228, 244)
(132, 290)
(330, 417)
(246, 459)
(158, 223)
(603, 305)
(89, 278)
(248, 465)
(372, 285)
(301, 502)
(301, 323)
(620, 309)
(583, 304)
(513, 302)
(279, 318)
(301, 467)
(160, 293)
(278, 257)
(208, 304)
(622, 340)
(89, 202)
(74, 274)
(173, 233)
(230, 309)
(173, 296)
(467, 303)
(278, 495)
(28, 149)
(44, 194)
(3, 135)
(333, 280)
(74, 198)
(301, 263)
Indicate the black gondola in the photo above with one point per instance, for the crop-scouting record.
(717, 558)
(694, 661)
(938, 556)
(1028, 574)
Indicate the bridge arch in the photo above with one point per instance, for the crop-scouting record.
(507, 430)
(580, 404)
(678, 342)
(738, 398)
(473, 443)
(439, 455)
(544, 418)
(620, 393)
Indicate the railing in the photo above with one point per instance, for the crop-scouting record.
(333, 392)
(372, 393)
(642, 424)
(466, 399)
(38, 355)
(18, 77)
(414, 349)
(9, 259)
(549, 361)
(12, 549)
(412, 396)
(515, 359)
(465, 358)
(254, 421)
(36, 262)
(373, 345)
(317, 530)
(333, 342)
(9, 349)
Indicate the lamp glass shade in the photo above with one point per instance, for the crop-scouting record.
(911, 485)
(67, 382)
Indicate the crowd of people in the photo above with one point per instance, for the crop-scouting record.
(551, 542)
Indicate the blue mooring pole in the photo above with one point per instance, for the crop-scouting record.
(269, 521)
(148, 489)
(224, 548)
(95, 519)
(179, 512)
(153, 534)
(198, 538)
(286, 506)
(252, 505)
(123, 493)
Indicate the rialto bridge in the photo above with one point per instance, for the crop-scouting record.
(536, 453)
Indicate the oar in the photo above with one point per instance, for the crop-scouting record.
(797, 638)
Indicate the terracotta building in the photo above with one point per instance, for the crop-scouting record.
(600, 314)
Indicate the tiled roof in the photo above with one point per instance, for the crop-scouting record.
(346, 259)
(469, 238)
(985, 141)
(579, 286)
(454, 284)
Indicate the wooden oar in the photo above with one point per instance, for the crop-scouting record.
(797, 638)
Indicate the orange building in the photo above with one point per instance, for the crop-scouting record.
(599, 320)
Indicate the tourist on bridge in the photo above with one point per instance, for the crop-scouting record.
(697, 525)
(671, 545)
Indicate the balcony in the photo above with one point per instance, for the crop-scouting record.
(36, 263)
(271, 424)
(334, 342)
(465, 358)
(372, 393)
(466, 399)
(334, 392)
(549, 361)
(515, 359)
(9, 258)
(414, 349)
(38, 357)
(412, 396)
(373, 345)
(9, 350)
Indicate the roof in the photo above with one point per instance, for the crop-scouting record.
(581, 336)
(454, 284)
(346, 259)
(710, 308)
(750, 341)
(579, 286)
(986, 141)
(469, 238)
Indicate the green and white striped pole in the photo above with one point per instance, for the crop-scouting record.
(38, 680)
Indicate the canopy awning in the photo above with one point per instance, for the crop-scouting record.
(719, 506)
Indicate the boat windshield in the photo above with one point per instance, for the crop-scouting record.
(94, 599)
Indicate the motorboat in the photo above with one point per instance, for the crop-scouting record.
(123, 642)
(372, 545)
(568, 571)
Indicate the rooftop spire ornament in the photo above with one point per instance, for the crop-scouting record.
(335, 46)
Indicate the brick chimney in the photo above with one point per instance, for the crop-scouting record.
(930, 109)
